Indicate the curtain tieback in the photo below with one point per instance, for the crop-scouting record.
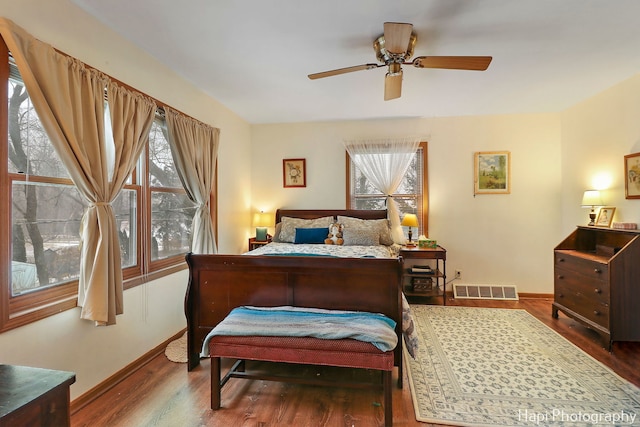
(96, 204)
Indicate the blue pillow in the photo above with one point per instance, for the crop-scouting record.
(311, 235)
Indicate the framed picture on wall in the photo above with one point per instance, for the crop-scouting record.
(294, 173)
(492, 172)
(632, 176)
(605, 216)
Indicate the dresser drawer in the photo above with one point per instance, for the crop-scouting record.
(586, 267)
(587, 297)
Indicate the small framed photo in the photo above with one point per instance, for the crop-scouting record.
(492, 172)
(605, 216)
(632, 176)
(294, 173)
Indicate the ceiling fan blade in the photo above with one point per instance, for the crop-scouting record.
(343, 71)
(397, 37)
(475, 63)
(393, 85)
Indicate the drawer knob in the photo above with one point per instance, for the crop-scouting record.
(597, 291)
(596, 312)
(560, 259)
(597, 270)
(560, 276)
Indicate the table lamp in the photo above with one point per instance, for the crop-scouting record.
(410, 220)
(261, 221)
(591, 199)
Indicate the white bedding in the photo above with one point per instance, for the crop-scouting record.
(378, 251)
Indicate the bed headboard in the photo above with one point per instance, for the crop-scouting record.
(318, 213)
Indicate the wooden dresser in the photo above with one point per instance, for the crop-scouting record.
(34, 397)
(597, 281)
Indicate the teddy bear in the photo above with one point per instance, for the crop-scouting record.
(335, 235)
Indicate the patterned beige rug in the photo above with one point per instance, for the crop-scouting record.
(500, 367)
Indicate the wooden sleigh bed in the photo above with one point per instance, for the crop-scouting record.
(219, 283)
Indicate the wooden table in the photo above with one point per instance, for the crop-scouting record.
(34, 396)
(413, 255)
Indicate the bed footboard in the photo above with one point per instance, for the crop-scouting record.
(219, 283)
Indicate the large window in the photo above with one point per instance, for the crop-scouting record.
(412, 195)
(40, 245)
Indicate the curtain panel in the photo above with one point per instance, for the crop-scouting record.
(69, 100)
(194, 147)
(384, 162)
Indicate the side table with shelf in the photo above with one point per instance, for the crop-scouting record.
(424, 284)
(254, 244)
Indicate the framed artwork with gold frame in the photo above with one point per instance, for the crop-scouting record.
(632, 176)
(605, 216)
(294, 173)
(492, 172)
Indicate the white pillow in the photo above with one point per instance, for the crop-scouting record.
(381, 226)
(289, 225)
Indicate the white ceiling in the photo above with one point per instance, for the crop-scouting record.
(253, 56)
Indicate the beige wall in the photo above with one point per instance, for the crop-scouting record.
(153, 312)
(596, 135)
(501, 239)
(505, 239)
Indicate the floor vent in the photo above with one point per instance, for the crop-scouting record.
(499, 292)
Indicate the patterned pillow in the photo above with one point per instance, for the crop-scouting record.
(289, 225)
(380, 225)
(276, 234)
(360, 236)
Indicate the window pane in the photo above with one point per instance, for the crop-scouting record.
(125, 210)
(162, 171)
(46, 235)
(30, 151)
(171, 217)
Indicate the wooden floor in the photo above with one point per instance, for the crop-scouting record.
(163, 393)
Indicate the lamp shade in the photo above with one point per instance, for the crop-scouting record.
(263, 219)
(410, 220)
(591, 198)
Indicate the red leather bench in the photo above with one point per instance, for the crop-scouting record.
(347, 353)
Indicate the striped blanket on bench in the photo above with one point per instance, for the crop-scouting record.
(374, 328)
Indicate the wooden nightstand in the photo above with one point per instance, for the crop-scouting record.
(253, 244)
(427, 283)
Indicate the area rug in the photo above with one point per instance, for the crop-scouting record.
(176, 350)
(502, 367)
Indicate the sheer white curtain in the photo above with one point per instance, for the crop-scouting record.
(384, 162)
(194, 147)
(69, 100)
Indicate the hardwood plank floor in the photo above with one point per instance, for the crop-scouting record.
(163, 393)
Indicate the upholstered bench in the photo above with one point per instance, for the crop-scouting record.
(347, 353)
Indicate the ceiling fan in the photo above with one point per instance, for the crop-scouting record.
(394, 48)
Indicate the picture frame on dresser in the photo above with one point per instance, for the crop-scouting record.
(632, 176)
(605, 216)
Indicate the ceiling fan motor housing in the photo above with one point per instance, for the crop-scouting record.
(387, 57)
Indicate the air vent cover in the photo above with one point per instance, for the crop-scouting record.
(497, 292)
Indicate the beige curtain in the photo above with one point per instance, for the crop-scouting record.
(194, 147)
(69, 100)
